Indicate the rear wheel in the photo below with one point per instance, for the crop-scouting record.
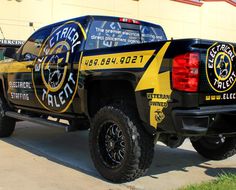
(215, 148)
(7, 125)
(121, 150)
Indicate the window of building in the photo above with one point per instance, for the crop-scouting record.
(1, 54)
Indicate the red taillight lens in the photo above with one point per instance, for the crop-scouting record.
(185, 72)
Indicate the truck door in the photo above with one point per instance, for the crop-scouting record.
(19, 79)
(55, 72)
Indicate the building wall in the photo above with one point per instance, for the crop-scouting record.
(212, 20)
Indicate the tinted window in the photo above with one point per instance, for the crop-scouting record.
(1, 54)
(32, 47)
(2, 49)
(152, 34)
(104, 34)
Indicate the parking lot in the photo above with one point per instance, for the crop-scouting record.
(38, 157)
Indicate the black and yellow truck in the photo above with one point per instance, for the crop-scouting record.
(129, 85)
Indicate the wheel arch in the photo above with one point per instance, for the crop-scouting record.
(118, 85)
(104, 91)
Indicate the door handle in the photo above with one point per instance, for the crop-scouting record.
(31, 66)
(62, 64)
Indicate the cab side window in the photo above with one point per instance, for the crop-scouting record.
(33, 45)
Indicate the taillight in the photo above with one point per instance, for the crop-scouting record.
(185, 72)
(129, 21)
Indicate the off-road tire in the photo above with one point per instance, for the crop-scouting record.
(7, 125)
(139, 145)
(215, 152)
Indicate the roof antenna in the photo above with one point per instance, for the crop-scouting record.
(2, 33)
(31, 24)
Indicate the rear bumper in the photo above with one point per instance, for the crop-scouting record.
(205, 121)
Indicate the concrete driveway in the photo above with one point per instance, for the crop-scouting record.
(38, 157)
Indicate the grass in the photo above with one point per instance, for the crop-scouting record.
(224, 182)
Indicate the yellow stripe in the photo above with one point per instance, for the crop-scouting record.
(159, 82)
(14, 67)
(128, 60)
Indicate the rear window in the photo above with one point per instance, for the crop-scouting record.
(103, 34)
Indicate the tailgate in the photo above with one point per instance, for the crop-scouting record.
(217, 73)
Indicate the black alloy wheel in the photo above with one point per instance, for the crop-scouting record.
(215, 148)
(120, 149)
(111, 144)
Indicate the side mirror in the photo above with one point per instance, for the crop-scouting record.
(10, 52)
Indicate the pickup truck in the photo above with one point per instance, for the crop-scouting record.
(130, 86)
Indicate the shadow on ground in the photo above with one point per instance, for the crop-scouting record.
(71, 150)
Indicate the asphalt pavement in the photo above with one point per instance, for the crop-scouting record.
(38, 157)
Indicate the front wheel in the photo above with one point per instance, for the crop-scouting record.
(7, 125)
(121, 150)
(215, 148)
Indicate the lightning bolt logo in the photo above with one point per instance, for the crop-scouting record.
(151, 79)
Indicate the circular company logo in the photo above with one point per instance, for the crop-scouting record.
(55, 75)
(221, 67)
